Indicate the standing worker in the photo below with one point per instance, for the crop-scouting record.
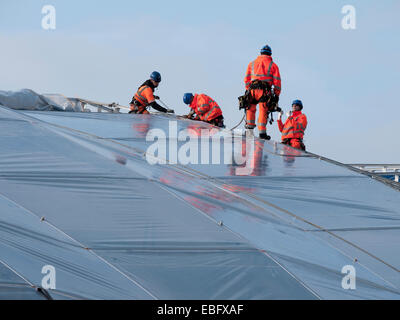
(145, 97)
(261, 75)
(205, 108)
(294, 127)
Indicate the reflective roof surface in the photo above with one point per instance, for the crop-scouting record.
(77, 192)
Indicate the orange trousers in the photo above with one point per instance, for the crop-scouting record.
(296, 143)
(262, 114)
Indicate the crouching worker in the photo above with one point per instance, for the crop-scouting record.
(145, 97)
(204, 108)
(294, 127)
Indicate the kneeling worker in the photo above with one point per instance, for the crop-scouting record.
(294, 127)
(205, 108)
(145, 97)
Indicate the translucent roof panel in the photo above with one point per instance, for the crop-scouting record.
(82, 196)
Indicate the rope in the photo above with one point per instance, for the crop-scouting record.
(163, 104)
(239, 123)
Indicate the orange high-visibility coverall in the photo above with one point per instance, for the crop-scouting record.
(145, 96)
(205, 107)
(293, 129)
(263, 69)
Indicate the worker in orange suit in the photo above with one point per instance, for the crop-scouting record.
(261, 75)
(145, 97)
(204, 108)
(294, 127)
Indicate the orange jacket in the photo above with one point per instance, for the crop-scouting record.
(145, 95)
(294, 126)
(264, 69)
(205, 107)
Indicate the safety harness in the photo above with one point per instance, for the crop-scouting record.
(139, 102)
(267, 97)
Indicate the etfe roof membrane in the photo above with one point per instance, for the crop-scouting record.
(79, 192)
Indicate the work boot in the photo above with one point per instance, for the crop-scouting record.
(249, 127)
(265, 136)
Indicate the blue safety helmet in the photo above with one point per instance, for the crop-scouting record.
(156, 76)
(266, 50)
(298, 103)
(188, 98)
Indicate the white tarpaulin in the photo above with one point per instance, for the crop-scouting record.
(27, 99)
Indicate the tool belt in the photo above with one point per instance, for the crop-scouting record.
(258, 84)
(244, 101)
(265, 87)
(267, 97)
(137, 107)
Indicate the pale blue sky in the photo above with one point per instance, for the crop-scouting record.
(347, 79)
